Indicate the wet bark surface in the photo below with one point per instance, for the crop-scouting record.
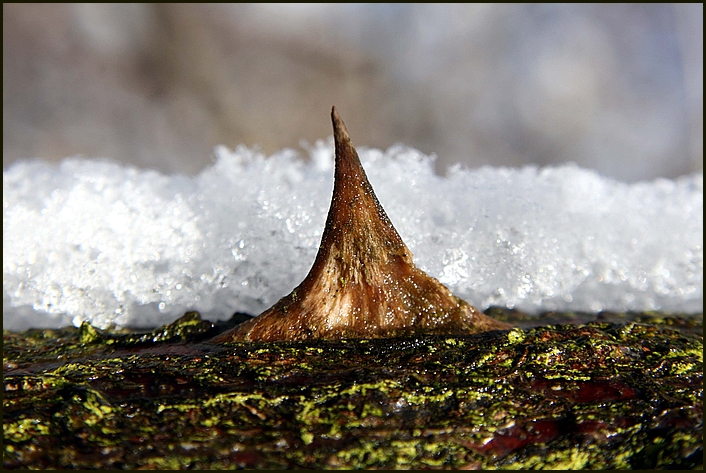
(588, 391)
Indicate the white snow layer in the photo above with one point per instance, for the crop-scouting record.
(108, 243)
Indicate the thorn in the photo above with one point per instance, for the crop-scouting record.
(363, 283)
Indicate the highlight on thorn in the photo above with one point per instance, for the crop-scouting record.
(363, 283)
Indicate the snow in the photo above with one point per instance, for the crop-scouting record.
(95, 240)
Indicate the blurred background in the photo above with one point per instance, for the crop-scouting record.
(616, 88)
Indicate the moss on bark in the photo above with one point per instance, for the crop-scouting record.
(624, 393)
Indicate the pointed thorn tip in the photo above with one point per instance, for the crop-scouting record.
(340, 132)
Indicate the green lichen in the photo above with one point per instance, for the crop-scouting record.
(515, 336)
(590, 395)
(24, 430)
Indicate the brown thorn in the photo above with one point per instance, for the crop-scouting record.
(363, 283)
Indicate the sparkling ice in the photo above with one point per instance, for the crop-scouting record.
(108, 243)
